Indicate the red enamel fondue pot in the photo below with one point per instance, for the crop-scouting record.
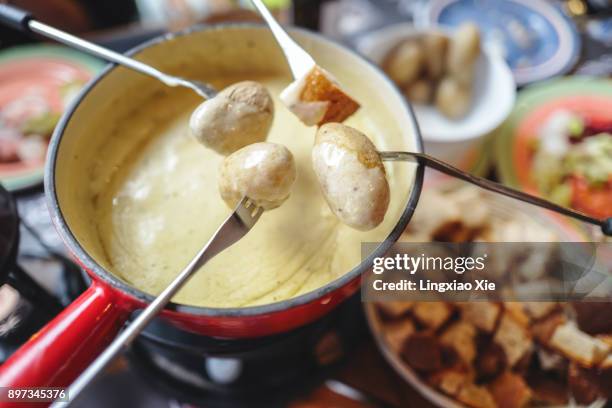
(61, 350)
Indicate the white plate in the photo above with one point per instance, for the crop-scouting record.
(494, 89)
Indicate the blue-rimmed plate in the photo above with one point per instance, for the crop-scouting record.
(536, 38)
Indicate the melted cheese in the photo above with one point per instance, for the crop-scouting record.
(160, 204)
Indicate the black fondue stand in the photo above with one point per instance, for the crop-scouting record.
(261, 372)
(35, 305)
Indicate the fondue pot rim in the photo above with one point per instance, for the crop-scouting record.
(93, 267)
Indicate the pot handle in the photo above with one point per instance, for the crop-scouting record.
(58, 353)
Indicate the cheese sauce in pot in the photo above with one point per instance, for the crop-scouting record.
(160, 204)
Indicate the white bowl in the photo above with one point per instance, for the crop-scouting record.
(494, 94)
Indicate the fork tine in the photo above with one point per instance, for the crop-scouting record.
(248, 212)
(300, 62)
(258, 213)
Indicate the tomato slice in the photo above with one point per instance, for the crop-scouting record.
(596, 201)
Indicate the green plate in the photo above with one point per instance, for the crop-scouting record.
(35, 60)
(532, 98)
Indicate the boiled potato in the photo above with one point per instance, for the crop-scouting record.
(435, 46)
(404, 62)
(464, 49)
(419, 92)
(453, 100)
(466, 76)
(239, 115)
(351, 175)
(264, 172)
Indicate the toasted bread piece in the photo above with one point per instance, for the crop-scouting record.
(432, 314)
(578, 346)
(460, 336)
(517, 311)
(394, 309)
(606, 363)
(490, 361)
(605, 377)
(523, 366)
(483, 315)
(547, 390)
(539, 310)
(550, 360)
(594, 317)
(317, 99)
(465, 198)
(433, 211)
(510, 391)
(397, 333)
(606, 338)
(422, 352)
(543, 330)
(454, 231)
(583, 384)
(450, 381)
(513, 339)
(476, 396)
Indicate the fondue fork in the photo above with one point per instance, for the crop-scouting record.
(236, 226)
(300, 62)
(24, 21)
(424, 159)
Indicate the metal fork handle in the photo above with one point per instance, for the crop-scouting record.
(228, 233)
(300, 62)
(112, 56)
(424, 159)
(24, 21)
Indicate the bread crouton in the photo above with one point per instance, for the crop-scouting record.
(510, 391)
(606, 363)
(550, 360)
(583, 384)
(513, 339)
(455, 231)
(473, 216)
(476, 396)
(393, 309)
(450, 381)
(490, 361)
(397, 333)
(578, 346)
(433, 211)
(594, 317)
(518, 313)
(317, 98)
(547, 390)
(432, 314)
(460, 336)
(605, 377)
(606, 338)
(422, 352)
(483, 315)
(543, 330)
(539, 310)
